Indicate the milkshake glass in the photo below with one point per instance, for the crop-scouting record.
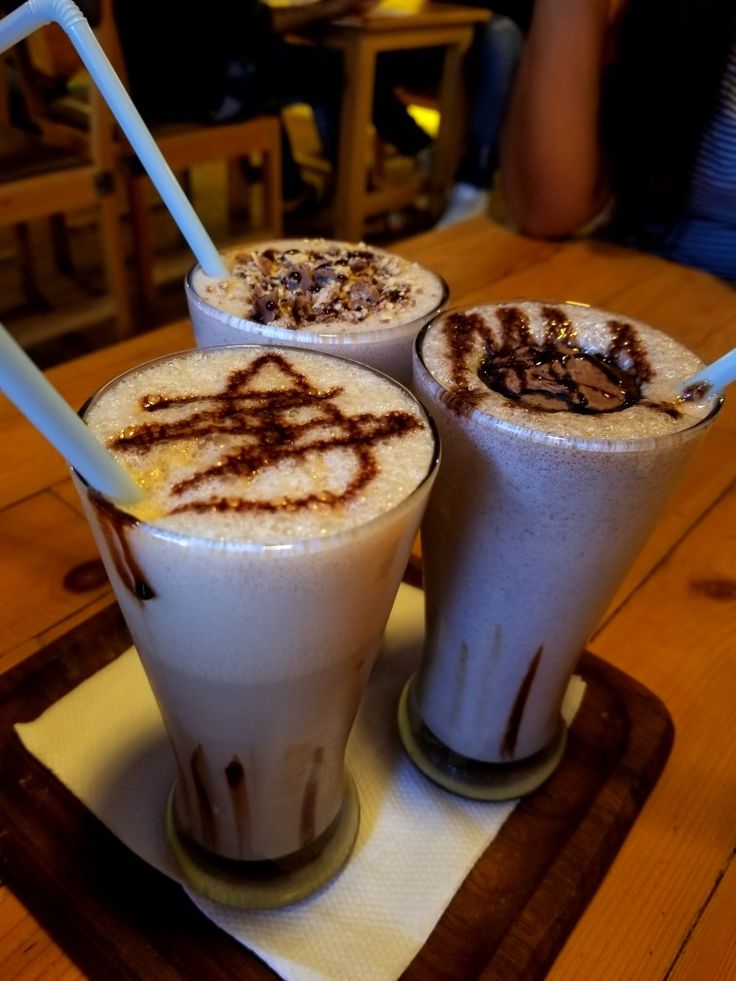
(283, 491)
(351, 300)
(562, 439)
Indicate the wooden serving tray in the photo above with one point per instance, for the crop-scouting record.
(116, 917)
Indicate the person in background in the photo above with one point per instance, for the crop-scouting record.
(226, 61)
(493, 58)
(490, 67)
(624, 114)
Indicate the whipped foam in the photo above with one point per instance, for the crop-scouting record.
(320, 285)
(564, 369)
(262, 444)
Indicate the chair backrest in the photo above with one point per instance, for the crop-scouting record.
(62, 169)
(52, 53)
(79, 120)
(186, 146)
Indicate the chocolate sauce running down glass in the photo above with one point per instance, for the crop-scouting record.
(562, 438)
(283, 493)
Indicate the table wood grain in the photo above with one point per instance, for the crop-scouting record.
(665, 908)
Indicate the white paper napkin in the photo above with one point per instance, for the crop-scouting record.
(105, 741)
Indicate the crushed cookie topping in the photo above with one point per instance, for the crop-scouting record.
(307, 286)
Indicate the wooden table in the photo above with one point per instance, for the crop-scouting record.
(665, 908)
(412, 24)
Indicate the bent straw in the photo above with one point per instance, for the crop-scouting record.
(715, 376)
(34, 14)
(39, 401)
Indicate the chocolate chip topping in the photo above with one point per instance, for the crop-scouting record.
(313, 285)
(266, 308)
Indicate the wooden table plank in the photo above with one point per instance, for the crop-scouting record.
(31, 463)
(46, 583)
(711, 951)
(582, 271)
(676, 636)
(684, 302)
(25, 951)
(470, 260)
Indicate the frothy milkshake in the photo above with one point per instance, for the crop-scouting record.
(563, 436)
(283, 492)
(348, 299)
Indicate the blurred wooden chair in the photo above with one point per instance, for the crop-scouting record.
(64, 116)
(186, 146)
(42, 177)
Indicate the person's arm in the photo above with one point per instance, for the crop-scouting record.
(551, 163)
(287, 19)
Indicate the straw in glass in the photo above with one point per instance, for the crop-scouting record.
(713, 378)
(39, 401)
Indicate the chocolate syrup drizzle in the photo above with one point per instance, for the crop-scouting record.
(511, 735)
(237, 784)
(554, 374)
(115, 525)
(200, 781)
(266, 421)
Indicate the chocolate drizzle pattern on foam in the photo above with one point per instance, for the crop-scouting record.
(554, 374)
(265, 419)
(307, 287)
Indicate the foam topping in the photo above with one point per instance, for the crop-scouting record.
(565, 369)
(263, 444)
(315, 285)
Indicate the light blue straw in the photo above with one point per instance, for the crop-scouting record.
(716, 376)
(34, 14)
(39, 401)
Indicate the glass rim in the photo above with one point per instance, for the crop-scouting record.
(634, 444)
(374, 335)
(314, 543)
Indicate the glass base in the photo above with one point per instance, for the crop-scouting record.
(473, 778)
(269, 884)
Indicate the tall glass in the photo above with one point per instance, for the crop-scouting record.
(258, 653)
(528, 534)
